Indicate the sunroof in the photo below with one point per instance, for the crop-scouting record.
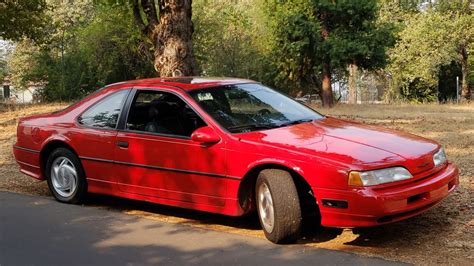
(194, 80)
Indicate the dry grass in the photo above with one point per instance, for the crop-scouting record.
(10, 178)
(444, 235)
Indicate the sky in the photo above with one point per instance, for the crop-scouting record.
(5, 48)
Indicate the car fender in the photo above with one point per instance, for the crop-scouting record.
(298, 168)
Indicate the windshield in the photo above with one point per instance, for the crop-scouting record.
(250, 107)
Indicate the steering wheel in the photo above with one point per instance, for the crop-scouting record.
(261, 113)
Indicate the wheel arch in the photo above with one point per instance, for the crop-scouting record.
(49, 147)
(246, 191)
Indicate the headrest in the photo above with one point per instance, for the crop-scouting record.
(153, 112)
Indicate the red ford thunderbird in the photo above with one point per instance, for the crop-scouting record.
(231, 146)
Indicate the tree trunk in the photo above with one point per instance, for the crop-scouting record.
(353, 83)
(174, 54)
(171, 35)
(326, 90)
(465, 89)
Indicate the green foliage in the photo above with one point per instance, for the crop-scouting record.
(22, 18)
(429, 42)
(423, 48)
(3, 68)
(228, 41)
(114, 50)
(5, 50)
(297, 43)
(447, 81)
(88, 47)
(355, 36)
(22, 63)
(454, 6)
(86, 44)
(470, 76)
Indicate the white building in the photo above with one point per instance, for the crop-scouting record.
(28, 95)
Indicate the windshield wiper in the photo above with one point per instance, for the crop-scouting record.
(270, 126)
(295, 122)
(252, 126)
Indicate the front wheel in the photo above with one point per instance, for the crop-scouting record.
(278, 206)
(65, 176)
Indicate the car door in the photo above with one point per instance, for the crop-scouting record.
(94, 139)
(156, 157)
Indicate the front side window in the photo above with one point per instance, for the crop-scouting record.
(249, 107)
(105, 113)
(162, 113)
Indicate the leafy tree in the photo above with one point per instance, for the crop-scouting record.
(22, 62)
(227, 40)
(359, 40)
(296, 43)
(397, 11)
(5, 51)
(22, 18)
(431, 39)
(322, 36)
(447, 81)
(113, 48)
(168, 25)
(462, 34)
(3, 68)
(419, 55)
(85, 52)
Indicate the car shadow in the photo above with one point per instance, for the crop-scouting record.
(186, 216)
(312, 232)
(51, 233)
(425, 230)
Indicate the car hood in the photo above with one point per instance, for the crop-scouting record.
(351, 143)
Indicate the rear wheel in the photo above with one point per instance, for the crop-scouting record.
(278, 206)
(65, 176)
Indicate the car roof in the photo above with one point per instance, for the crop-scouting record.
(185, 83)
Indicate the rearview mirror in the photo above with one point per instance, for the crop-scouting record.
(205, 135)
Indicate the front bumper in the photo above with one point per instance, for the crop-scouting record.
(371, 206)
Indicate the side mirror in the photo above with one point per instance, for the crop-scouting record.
(205, 135)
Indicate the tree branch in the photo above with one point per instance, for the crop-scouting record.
(150, 11)
(161, 6)
(138, 18)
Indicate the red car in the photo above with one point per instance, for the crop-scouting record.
(231, 146)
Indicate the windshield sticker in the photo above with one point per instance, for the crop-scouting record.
(205, 96)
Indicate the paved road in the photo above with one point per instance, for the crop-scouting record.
(41, 231)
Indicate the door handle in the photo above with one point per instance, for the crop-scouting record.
(122, 144)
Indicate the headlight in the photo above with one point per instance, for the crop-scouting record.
(439, 158)
(377, 177)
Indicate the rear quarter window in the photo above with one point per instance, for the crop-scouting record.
(106, 112)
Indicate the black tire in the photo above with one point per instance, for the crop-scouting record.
(286, 205)
(80, 190)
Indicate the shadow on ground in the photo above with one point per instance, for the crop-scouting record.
(400, 241)
(41, 231)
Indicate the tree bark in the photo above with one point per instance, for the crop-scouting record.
(353, 71)
(465, 88)
(326, 89)
(171, 35)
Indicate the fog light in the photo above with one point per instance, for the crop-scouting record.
(340, 204)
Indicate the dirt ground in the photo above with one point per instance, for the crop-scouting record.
(443, 235)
